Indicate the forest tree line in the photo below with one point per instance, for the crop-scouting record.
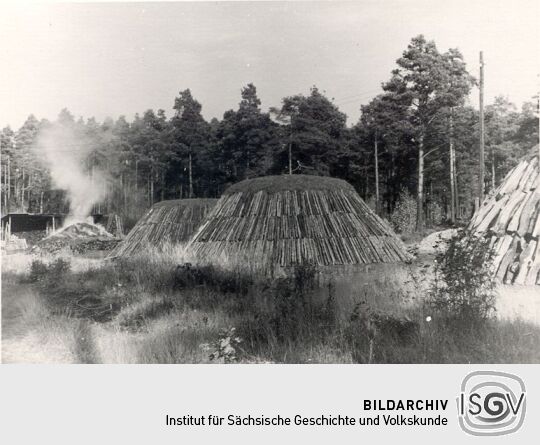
(416, 142)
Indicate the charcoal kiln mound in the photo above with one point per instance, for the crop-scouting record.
(282, 221)
(167, 224)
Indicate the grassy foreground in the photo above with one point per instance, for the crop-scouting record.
(152, 311)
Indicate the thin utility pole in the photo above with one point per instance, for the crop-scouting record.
(481, 180)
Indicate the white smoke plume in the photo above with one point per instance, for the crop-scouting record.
(64, 152)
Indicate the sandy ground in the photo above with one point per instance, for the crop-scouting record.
(24, 342)
(27, 339)
(519, 302)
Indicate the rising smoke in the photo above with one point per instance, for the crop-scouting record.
(64, 151)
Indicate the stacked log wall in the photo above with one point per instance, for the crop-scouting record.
(510, 217)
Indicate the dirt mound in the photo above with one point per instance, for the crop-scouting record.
(436, 242)
(78, 237)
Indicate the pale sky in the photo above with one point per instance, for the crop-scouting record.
(106, 59)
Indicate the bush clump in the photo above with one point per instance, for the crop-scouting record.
(403, 217)
(54, 271)
(463, 289)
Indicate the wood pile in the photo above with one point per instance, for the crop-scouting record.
(167, 223)
(281, 221)
(78, 237)
(510, 217)
(13, 244)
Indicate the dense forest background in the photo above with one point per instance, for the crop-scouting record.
(413, 154)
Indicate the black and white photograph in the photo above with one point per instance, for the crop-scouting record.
(270, 182)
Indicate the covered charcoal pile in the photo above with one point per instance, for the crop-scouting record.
(282, 221)
(510, 217)
(167, 223)
(78, 237)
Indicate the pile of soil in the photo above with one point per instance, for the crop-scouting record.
(436, 242)
(78, 237)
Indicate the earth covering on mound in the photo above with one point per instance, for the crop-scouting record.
(280, 183)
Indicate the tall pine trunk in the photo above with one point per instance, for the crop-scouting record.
(377, 197)
(22, 191)
(456, 190)
(152, 177)
(6, 185)
(190, 175)
(290, 158)
(420, 194)
(452, 176)
(493, 180)
(162, 185)
(9, 179)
